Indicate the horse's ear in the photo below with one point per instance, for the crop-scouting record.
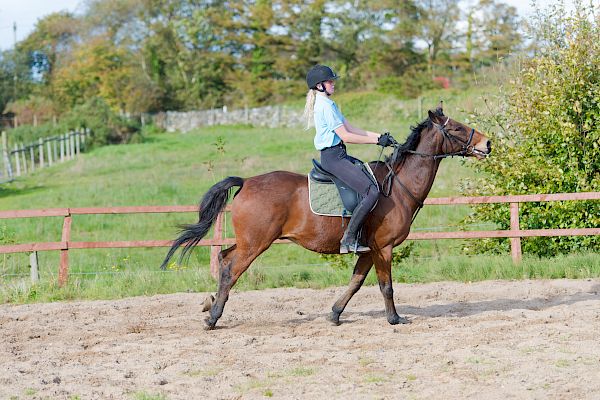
(440, 108)
(434, 116)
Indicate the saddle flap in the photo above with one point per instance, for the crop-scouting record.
(349, 197)
(318, 174)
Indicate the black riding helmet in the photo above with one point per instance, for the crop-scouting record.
(317, 74)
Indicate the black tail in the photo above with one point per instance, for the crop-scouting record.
(212, 204)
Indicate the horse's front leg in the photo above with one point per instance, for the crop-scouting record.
(361, 269)
(383, 267)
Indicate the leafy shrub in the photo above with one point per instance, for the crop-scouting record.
(106, 126)
(546, 135)
(410, 85)
(33, 109)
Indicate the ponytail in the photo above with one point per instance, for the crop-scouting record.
(309, 108)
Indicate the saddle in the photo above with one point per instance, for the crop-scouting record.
(322, 192)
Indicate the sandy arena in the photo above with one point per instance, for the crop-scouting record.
(488, 340)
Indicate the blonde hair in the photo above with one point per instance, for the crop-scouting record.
(309, 108)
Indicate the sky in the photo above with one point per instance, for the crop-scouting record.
(25, 14)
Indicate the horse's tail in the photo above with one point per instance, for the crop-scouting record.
(212, 204)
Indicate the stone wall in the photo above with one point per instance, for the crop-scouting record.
(269, 116)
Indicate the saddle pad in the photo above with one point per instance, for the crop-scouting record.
(325, 199)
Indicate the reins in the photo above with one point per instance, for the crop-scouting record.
(386, 187)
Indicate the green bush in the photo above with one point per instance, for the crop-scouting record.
(546, 135)
(106, 126)
(408, 86)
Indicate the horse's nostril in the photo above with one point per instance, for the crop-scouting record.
(489, 146)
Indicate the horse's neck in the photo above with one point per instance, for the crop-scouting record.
(417, 172)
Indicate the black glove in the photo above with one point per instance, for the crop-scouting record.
(386, 140)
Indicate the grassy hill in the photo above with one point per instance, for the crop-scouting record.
(176, 169)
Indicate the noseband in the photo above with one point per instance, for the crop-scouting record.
(466, 147)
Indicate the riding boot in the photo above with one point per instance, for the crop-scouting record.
(350, 241)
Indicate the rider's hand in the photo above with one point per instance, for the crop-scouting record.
(386, 140)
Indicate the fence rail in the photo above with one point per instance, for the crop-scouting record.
(515, 233)
(24, 159)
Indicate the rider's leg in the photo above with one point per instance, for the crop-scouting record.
(337, 162)
(351, 240)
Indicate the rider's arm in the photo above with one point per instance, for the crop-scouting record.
(358, 131)
(357, 136)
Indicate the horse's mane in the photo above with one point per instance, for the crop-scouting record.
(411, 143)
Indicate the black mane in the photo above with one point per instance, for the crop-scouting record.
(411, 142)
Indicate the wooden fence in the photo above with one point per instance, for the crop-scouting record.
(515, 233)
(24, 159)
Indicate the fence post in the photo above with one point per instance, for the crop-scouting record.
(63, 271)
(55, 140)
(33, 263)
(32, 156)
(61, 139)
(515, 243)
(49, 151)
(215, 249)
(18, 160)
(6, 156)
(72, 144)
(41, 151)
(77, 143)
(24, 150)
(67, 151)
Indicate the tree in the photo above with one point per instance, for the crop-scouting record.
(15, 77)
(496, 27)
(549, 141)
(51, 39)
(97, 68)
(439, 25)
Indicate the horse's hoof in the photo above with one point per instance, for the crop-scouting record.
(209, 325)
(398, 320)
(334, 318)
(208, 302)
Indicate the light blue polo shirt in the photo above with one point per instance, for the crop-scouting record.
(327, 119)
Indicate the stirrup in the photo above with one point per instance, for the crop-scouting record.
(355, 248)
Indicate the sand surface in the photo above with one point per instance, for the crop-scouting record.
(488, 340)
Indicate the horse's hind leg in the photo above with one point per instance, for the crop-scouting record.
(233, 262)
(361, 269)
(383, 267)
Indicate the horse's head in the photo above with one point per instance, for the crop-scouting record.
(459, 139)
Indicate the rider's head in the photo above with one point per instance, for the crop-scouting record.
(318, 75)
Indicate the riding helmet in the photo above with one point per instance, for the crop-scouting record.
(319, 73)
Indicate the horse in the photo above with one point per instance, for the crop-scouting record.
(275, 205)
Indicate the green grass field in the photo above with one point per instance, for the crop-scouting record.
(176, 169)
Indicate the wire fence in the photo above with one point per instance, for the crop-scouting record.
(26, 158)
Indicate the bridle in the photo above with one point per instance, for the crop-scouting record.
(467, 149)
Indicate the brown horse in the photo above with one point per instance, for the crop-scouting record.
(275, 206)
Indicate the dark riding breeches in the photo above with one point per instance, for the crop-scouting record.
(336, 161)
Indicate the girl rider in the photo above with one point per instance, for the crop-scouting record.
(332, 131)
